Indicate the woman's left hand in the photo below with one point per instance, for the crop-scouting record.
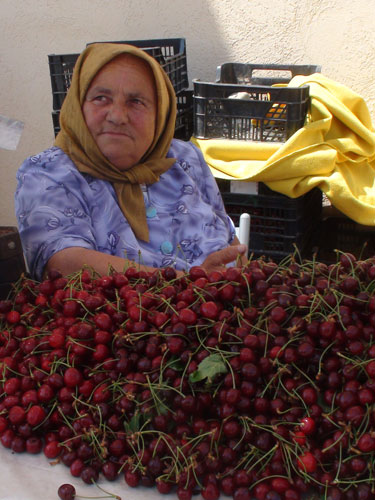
(216, 260)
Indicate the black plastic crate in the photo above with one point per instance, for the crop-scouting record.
(184, 118)
(278, 222)
(262, 74)
(61, 72)
(171, 55)
(169, 52)
(338, 232)
(248, 112)
(12, 263)
(56, 122)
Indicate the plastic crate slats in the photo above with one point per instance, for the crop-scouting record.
(277, 221)
(266, 114)
(340, 232)
(61, 71)
(245, 90)
(168, 46)
(170, 53)
(262, 74)
(259, 92)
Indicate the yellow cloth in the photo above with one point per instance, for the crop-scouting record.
(334, 151)
(75, 139)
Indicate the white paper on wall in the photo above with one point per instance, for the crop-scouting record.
(10, 133)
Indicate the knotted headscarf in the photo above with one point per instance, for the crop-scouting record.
(77, 142)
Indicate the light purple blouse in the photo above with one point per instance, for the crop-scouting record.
(58, 207)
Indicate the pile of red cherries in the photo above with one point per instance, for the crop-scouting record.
(254, 382)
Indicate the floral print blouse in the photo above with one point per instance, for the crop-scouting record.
(58, 207)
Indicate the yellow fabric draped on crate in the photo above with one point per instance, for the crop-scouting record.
(335, 151)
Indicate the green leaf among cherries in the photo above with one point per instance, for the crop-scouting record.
(209, 368)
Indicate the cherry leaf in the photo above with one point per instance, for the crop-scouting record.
(208, 368)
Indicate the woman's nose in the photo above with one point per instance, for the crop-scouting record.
(117, 114)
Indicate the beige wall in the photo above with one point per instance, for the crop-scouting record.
(337, 34)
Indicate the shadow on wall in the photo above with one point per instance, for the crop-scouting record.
(194, 53)
(193, 20)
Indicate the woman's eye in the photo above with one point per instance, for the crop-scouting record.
(101, 98)
(98, 99)
(137, 101)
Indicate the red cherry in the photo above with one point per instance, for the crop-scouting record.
(35, 415)
(103, 321)
(132, 478)
(72, 377)
(299, 437)
(52, 449)
(280, 484)
(307, 462)
(307, 425)
(227, 292)
(370, 369)
(66, 492)
(210, 492)
(209, 310)
(17, 415)
(187, 316)
(278, 314)
(196, 272)
(366, 443)
(13, 317)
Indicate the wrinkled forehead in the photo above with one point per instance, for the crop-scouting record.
(125, 62)
(100, 57)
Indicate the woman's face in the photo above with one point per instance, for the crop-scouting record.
(120, 110)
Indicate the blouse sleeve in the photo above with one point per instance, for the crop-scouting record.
(210, 190)
(52, 208)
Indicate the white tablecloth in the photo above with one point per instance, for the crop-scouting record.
(32, 477)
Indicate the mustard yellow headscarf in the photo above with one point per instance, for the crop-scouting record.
(77, 142)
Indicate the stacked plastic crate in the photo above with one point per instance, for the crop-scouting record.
(243, 104)
(338, 232)
(170, 53)
(12, 263)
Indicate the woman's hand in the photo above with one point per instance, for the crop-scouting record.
(72, 259)
(217, 260)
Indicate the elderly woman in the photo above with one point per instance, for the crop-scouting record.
(116, 188)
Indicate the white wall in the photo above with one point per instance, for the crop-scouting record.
(337, 34)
